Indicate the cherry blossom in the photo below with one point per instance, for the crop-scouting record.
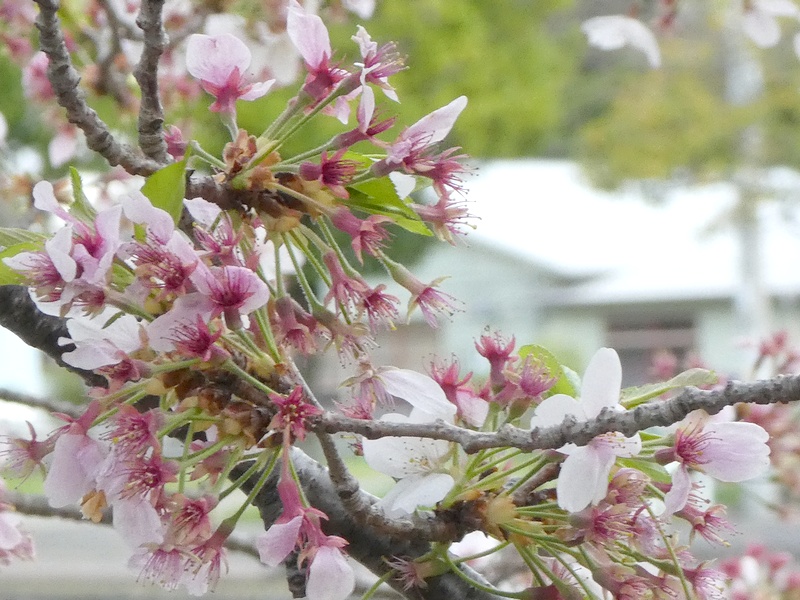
(419, 464)
(220, 62)
(615, 31)
(584, 474)
(729, 451)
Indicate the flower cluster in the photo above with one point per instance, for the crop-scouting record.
(192, 298)
(182, 306)
(611, 497)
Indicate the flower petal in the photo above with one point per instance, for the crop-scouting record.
(601, 382)
(420, 391)
(414, 491)
(584, 478)
(213, 58)
(330, 576)
(276, 542)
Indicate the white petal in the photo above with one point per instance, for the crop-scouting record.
(555, 409)
(434, 127)
(761, 27)
(137, 521)
(777, 8)
(404, 456)
(615, 31)
(601, 382)
(414, 491)
(420, 391)
(583, 479)
(677, 496)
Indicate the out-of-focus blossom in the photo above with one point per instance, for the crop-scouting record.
(611, 32)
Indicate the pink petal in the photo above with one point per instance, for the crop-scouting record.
(276, 542)
(330, 576)
(256, 90)
(10, 535)
(137, 521)
(308, 34)
(737, 451)
(213, 58)
(71, 473)
(140, 210)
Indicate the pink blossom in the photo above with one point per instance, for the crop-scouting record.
(232, 291)
(219, 62)
(380, 308)
(23, 456)
(76, 461)
(728, 451)
(368, 234)
(334, 172)
(412, 151)
(310, 36)
(584, 474)
(293, 413)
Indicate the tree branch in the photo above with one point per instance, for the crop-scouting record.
(65, 81)
(19, 315)
(38, 506)
(781, 389)
(368, 546)
(151, 113)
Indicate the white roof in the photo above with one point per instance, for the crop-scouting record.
(629, 248)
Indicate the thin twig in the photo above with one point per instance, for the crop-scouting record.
(781, 389)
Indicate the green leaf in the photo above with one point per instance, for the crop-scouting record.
(166, 188)
(81, 207)
(634, 396)
(567, 380)
(379, 197)
(11, 235)
(7, 275)
(653, 470)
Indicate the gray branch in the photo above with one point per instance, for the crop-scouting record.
(65, 82)
(780, 389)
(151, 113)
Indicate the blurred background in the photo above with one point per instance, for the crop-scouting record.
(653, 211)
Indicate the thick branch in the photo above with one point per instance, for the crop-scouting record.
(368, 546)
(38, 506)
(65, 79)
(19, 315)
(151, 113)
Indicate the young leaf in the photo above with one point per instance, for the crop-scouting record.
(567, 380)
(166, 188)
(379, 197)
(7, 275)
(634, 396)
(11, 235)
(81, 207)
